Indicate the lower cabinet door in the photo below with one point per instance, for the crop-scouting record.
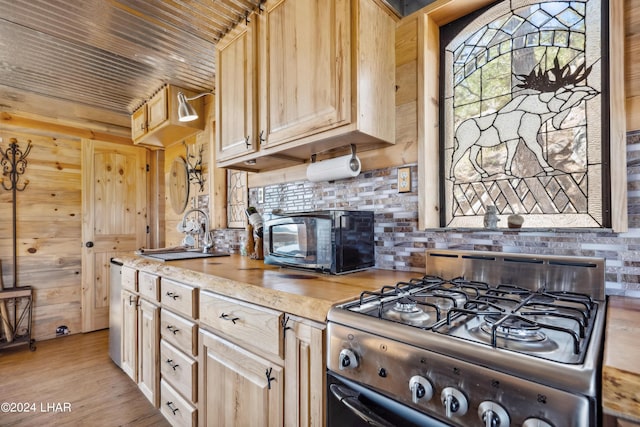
(129, 338)
(149, 350)
(237, 387)
(178, 411)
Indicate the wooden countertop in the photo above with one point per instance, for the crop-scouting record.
(301, 293)
(621, 361)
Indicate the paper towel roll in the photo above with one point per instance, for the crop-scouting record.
(338, 168)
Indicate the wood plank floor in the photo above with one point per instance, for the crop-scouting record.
(71, 381)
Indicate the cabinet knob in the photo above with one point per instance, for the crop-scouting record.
(89, 244)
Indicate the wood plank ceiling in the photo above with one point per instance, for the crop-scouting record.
(96, 61)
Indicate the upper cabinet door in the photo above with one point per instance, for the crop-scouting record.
(157, 109)
(236, 92)
(139, 122)
(305, 68)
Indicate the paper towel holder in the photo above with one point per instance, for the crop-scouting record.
(353, 164)
(347, 166)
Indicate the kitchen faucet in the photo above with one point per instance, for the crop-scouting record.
(207, 241)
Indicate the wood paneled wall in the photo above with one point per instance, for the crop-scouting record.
(205, 140)
(48, 231)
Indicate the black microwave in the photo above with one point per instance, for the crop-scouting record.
(330, 241)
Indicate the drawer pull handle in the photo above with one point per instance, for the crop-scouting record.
(173, 365)
(227, 317)
(173, 295)
(173, 409)
(173, 329)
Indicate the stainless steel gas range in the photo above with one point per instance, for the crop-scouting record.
(483, 339)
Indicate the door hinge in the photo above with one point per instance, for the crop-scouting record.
(148, 167)
(148, 229)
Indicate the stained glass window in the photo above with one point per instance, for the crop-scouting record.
(523, 116)
(237, 199)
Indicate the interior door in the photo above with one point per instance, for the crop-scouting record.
(114, 219)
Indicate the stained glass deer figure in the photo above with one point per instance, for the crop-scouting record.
(548, 95)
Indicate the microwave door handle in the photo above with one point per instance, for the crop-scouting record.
(349, 398)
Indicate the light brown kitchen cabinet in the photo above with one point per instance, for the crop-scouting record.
(139, 123)
(179, 348)
(326, 79)
(238, 387)
(304, 371)
(159, 342)
(129, 338)
(177, 410)
(180, 370)
(149, 350)
(236, 100)
(239, 364)
(158, 109)
(155, 123)
(242, 322)
(244, 341)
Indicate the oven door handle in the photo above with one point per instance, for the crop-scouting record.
(349, 398)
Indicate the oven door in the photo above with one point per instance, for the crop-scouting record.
(351, 404)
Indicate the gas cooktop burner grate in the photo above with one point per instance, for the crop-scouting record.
(512, 327)
(506, 313)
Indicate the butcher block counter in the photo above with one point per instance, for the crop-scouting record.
(302, 293)
(620, 366)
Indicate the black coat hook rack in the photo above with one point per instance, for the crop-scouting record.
(14, 165)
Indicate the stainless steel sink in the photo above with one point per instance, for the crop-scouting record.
(173, 255)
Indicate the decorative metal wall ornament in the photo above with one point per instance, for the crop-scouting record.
(194, 166)
(523, 115)
(14, 165)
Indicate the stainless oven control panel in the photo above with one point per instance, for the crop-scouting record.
(452, 390)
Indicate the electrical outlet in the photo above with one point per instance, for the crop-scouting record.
(404, 180)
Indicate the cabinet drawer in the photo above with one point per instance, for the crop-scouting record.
(179, 370)
(180, 332)
(149, 286)
(254, 325)
(129, 278)
(175, 409)
(179, 297)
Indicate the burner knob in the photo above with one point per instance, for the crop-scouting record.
(493, 415)
(455, 403)
(348, 359)
(535, 422)
(420, 389)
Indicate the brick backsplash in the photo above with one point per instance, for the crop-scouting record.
(400, 245)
